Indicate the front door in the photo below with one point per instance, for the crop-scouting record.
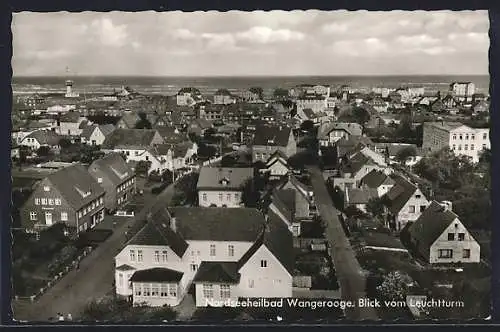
(48, 218)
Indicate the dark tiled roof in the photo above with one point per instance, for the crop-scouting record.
(430, 225)
(360, 196)
(399, 194)
(356, 162)
(106, 129)
(352, 128)
(157, 232)
(87, 131)
(70, 117)
(157, 274)
(272, 135)
(218, 272)
(83, 124)
(376, 178)
(125, 267)
(115, 168)
(129, 137)
(170, 135)
(45, 137)
(201, 123)
(284, 200)
(223, 92)
(215, 177)
(278, 239)
(72, 182)
(191, 90)
(218, 224)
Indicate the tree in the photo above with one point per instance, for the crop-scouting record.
(280, 93)
(361, 115)
(228, 161)
(395, 286)
(250, 195)
(142, 167)
(143, 122)
(337, 197)
(405, 153)
(258, 91)
(375, 206)
(43, 151)
(64, 143)
(353, 212)
(307, 125)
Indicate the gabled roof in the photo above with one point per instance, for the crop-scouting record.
(277, 155)
(399, 194)
(376, 178)
(223, 92)
(278, 239)
(45, 137)
(201, 123)
(130, 119)
(74, 182)
(106, 129)
(284, 200)
(353, 129)
(129, 138)
(170, 134)
(157, 274)
(272, 135)
(218, 272)
(356, 162)
(445, 125)
(191, 90)
(223, 178)
(360, 196)
(125, 267)
(115, 168)
(83, 124)
(299, 186)
(70, 117)
(430, 225)
(87, 131)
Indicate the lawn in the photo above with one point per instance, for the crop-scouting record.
(379, 238)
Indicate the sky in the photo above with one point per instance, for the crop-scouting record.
(276, 43)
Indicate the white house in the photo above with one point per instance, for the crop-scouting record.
(331, 132)
(222, 187)
(277, 165)
(70, 124)
(40, 138)
(95, 135)
(232, 253)
(405, 202)
(440, 237)
(377, 180)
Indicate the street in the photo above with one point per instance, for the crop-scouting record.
(349, 273)
(92, 281)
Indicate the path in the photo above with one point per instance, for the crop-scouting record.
(349, 273)
(92, 281)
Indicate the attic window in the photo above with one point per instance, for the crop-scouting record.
(82, 193)
(224, 181)
(46, 188)
(99, 180)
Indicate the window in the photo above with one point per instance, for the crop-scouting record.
(139, 255)
(454, 147)
(193, 267)
(132, 255)
(212, 250)
(461, 137)
(136, 153)
(138, 290)
(120, 279)
(466, 136)
(157, 256)
(228, 197)
(80, 214)
(44, 201)
(445, 253)
(412, 209)
(418, 196)
(220, 197)
(99, 180)
(101, 200)
(484, 146)
(37, 201)
(472, 137)
(251, 283)
(164, 255)
(155, 291)
(451, 236)
(466, 253)
(51, 201)
(46, 188)
(485, 136)
(164, 290)
(422, 208)
(461, 236)
(172, 290)
(472, 146)
(64, 216)
(263, 263)
(32, 215)
(236, 197)
(208, 291)
(204, 197)
(147, 289)
(225, 291)
(466, 147)
(230, 250)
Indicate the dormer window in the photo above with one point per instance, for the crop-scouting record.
(224, 181)
(46, 188)
(82, 193)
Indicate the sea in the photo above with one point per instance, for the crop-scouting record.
(208, 85)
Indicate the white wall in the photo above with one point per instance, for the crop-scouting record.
(405, 215)
(212, 197)
(216, 300)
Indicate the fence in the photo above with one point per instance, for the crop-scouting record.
(124, 213)
(211, 161)
(58, 276)
(302, 282)
(315, 244)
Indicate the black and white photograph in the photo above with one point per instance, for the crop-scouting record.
(250, 167)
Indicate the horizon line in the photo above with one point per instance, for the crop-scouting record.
(250, 76)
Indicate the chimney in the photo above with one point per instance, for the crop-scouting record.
(173, 223)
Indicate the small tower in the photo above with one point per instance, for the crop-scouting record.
(69, 87)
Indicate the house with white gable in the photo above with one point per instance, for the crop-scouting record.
(175, 156)
(305, 206)
(331, 132)
(222, 187)
(283, 205)
(377, 180)
(405, 203)
(40, 138)
(439, 236)
(137, 145)
(70, 124)
(231, 254)
(277, 165)
(352, 170)
(96, 134)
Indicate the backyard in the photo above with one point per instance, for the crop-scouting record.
(319, 266)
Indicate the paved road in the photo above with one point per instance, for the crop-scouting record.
(94, 279)
(349, 273)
